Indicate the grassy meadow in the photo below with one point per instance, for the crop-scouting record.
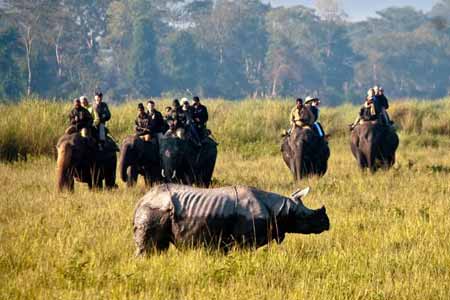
(389, 236)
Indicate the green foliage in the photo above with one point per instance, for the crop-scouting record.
(230, 49)
(143, 71)
(10, 75)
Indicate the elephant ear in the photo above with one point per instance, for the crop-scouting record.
(299, 194)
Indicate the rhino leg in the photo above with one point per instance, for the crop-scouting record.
(152, 233)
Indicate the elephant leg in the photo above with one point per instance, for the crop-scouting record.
(148, 177)
(97, 177)
(70, 181)
(132, 176)
(110, 175)
(372, 163)
(110, 179)
(362, 161)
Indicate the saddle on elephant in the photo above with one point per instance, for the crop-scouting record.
(89, 138)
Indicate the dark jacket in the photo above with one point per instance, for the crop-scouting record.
(200, 112)
(156, 122)
(315, 112)
(383, 101)
(80, 118)
(142, 123)
(185, 117)
(102, 113)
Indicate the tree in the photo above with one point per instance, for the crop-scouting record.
(31, 19)
(10, 73)
(143, 69)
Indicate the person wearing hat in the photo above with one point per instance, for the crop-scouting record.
(156, 121)
(301, 116)
(312, 103)
(101, 116)
(185, 114)
(188, 122)
(142, 121)
(80, 118)
(200, 116)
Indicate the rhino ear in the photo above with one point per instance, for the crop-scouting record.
(301, 193)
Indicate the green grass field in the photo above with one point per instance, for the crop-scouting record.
(389, 236)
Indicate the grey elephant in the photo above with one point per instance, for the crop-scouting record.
(305, 153)
(374, 145)
(139, 157)
(184, 162)
(80, 159)
(220, 218)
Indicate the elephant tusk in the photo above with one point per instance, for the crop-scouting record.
(174, 174)
(163, 174)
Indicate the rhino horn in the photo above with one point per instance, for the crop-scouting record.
(301, 193)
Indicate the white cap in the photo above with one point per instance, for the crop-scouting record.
(82, 98)
(184, 100)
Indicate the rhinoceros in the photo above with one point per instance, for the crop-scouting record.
(221, 218)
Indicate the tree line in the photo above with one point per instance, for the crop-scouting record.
(219, 48)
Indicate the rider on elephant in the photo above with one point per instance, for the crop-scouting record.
(187, 121)
(101, 116)
(301, 116)
(85, 103)
(384, 105)
(80, 118)
(200, 116)
(142, 121)
(156, 121)
(313, 103)
(369, 111)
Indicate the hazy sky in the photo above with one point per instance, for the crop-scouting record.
(360, 9)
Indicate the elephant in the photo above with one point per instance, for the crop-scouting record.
(305, 153)
(182, 161)
(79, 158)
(139, 157)
(374, 145)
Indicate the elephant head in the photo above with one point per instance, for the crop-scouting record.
(173, 157)
(305, 153)
(131, 151)
(373, 145)
(139, 157)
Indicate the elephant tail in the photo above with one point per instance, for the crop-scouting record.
(63, 164)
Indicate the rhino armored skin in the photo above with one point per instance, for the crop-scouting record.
(220, 218)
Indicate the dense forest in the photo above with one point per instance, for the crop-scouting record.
(231, 49)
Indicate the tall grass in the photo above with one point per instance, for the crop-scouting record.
(34, 126)
(389, 236)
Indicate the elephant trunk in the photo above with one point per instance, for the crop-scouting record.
(62, 166)
(298, 158)
(124, 164)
